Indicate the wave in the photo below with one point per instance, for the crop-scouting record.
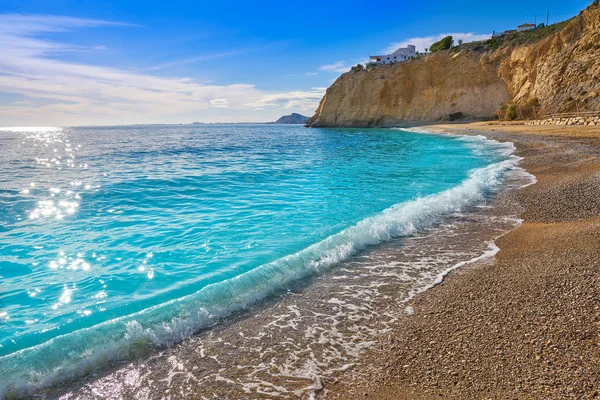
(82, 351)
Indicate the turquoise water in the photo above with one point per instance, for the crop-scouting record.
(145, 234)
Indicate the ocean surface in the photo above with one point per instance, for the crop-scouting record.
(118, 240)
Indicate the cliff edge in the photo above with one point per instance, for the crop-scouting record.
(557, 67)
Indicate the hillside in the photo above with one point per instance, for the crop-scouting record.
(292, 119)
(557, 67)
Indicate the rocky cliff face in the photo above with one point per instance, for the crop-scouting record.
(561, 70)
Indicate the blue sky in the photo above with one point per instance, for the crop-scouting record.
(120, 62)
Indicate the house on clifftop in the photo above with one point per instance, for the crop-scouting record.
(400, 55)
(525, 27)
(520, 28)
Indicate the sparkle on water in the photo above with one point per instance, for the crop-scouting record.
(109, 235)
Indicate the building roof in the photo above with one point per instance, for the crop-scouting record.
(408, 48)
(400, 51)
(524, 25)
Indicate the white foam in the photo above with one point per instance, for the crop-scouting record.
(170, 322)
(477, 141)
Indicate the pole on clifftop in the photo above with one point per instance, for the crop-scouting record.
(547, 17)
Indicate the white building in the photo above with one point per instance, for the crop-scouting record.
(520, 28)
(525, 27)
(400, 55)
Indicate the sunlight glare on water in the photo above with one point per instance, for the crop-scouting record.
(108, 235)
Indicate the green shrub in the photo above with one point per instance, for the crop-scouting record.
(511, 112)
(444, 44)
(358, 67)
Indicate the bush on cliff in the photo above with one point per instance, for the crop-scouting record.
(444, 44)
(511, 112)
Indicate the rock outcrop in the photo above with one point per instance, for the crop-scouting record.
(292, 119)
(560, 71)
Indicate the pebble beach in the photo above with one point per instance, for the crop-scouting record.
(525, 324)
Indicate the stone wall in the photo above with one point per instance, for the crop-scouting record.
(588, 120)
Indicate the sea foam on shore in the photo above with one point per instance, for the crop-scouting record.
(168, 323)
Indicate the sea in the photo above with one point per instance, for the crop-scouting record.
(227, 260)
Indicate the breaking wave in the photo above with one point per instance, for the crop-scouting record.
(170, 322)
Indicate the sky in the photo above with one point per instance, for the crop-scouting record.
(78, 62)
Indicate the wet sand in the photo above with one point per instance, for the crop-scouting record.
(305, 340)
(525, 325)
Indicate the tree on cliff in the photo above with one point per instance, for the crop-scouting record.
(444, 44)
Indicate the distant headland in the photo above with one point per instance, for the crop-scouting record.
(293, 118)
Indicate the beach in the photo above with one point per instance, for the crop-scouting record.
(293, 209)
(524, 324)
(304, 300)
(495, 300)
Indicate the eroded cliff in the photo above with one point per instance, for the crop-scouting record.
(560, 70)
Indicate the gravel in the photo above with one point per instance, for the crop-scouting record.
(525, 325)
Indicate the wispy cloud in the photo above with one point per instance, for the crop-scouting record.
(18, 33)
(304, 74)
(88, 94)
(220, 103)
(196, 59)
(424, 42)
(28, 24)
(338, 66)
(305, 100)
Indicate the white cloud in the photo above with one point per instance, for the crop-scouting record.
(220, 103)
(338, 66)
(423, 43)
(304, 100)
(88, 94)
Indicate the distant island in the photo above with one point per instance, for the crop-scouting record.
(292, 119)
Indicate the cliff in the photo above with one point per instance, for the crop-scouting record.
(557, 66)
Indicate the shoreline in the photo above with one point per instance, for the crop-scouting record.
(524, 324)
(326, 323)
(345, 334)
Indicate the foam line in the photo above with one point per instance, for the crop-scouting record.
(168, 323)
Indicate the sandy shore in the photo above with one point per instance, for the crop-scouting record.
(525, 325)
(521, 325)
